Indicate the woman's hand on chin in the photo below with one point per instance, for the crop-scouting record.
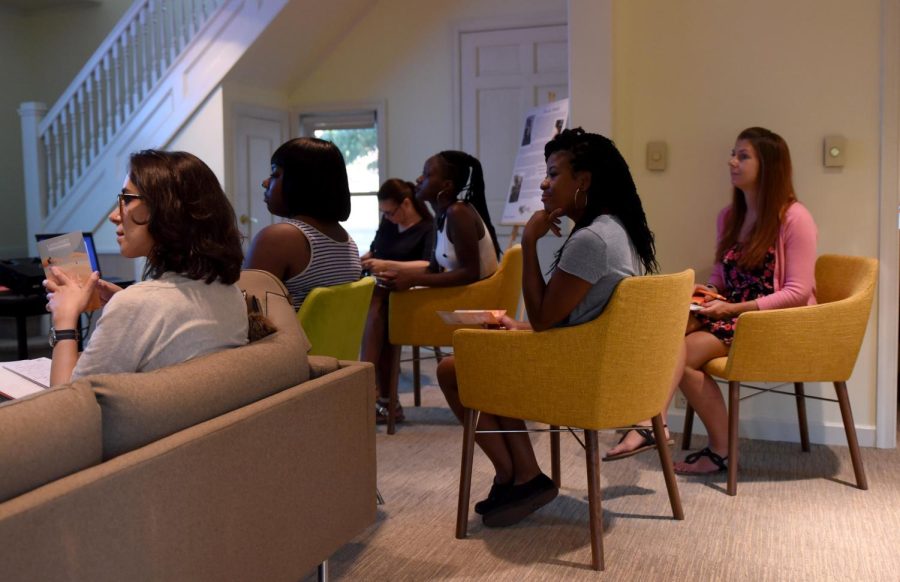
(67, 298)
(542, 222)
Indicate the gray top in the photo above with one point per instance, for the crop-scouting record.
(161, 322)
(601, 254)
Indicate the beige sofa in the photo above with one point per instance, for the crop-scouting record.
(249, 464)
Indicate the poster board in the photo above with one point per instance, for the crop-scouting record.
(541, 124)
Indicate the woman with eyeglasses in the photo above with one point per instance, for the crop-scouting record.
(173, 212)
(404, 240)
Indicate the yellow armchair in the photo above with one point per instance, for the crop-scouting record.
(334, 317)
(413, 319)
(816, 343)
(609, 373)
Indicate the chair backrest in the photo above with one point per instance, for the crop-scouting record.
(814, 343)
(612, 371)
(334, 318)
(413, 318)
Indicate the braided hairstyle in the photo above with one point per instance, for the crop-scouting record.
(612, 188)
(467, 176)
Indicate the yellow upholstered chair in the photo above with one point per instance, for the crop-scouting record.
(413, 319)
(334, 317)
(815, 343)
(609, 373)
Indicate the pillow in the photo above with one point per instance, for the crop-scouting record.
(47, 436)
(140, 408)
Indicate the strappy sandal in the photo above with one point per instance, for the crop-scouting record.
(719, 461)
(381, 413)
(648, 443)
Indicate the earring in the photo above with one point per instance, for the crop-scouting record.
(577, 192)
(438, 197)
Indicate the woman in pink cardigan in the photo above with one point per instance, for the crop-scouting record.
(765, 259)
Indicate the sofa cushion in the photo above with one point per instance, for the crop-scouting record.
(140, 408)
(46, 436)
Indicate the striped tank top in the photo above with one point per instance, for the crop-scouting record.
(331, 263)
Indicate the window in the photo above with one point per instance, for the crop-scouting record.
(356, 134)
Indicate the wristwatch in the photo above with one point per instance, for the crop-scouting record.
(58, 335)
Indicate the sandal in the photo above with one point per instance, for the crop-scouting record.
(648, 442)
(718, 461)
(381, 412)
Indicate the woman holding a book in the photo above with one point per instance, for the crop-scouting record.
(466, 248)
(765, 259)
(187, 306)
(588, 181)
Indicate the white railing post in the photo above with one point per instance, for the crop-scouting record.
(31, 114)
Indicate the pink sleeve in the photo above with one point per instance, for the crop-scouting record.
(798, 284)
(717, 277)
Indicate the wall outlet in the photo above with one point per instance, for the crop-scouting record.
(680, 401)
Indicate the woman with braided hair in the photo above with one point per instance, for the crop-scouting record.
(588, 181)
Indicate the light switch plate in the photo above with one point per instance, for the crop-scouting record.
(657, 155)
(834, 151)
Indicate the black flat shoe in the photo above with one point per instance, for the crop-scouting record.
(522, 501)
(497, 496)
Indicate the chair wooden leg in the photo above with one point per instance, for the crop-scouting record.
(595, 511)
(417, 377)
(665, 459)
(465, 473)
(688, 427)
(555, 471)
(850, 428)
(801, 416)
(734, 400)
(392, 392)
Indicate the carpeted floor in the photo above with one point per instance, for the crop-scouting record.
(796, 516)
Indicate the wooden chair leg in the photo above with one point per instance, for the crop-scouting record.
(595, 511)
(665, 459)
(801, 416)
(465, 473)
(734, 400)
(417, 377)
(850, 428)
(555, 471)
(688, 427)
(392, 391)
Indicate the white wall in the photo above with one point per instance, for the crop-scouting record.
(41, 51)
(695, 74)
(402, 53)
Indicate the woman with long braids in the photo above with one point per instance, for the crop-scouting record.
(466, 248)
(588, 181)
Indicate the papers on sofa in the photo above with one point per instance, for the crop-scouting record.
(68, 252)
(24, 377)
(472, 316)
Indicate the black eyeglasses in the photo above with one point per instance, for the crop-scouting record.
(125, 199)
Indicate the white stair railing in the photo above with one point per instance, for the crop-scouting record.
(110, 88)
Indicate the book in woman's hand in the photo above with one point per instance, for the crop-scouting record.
(68, 252)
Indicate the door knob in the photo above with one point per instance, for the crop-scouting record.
(248, 219)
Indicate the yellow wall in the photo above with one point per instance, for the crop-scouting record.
(695, 73)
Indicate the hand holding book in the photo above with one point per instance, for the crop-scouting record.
(68, 297)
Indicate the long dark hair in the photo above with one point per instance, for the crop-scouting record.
(775, 193)
(191, 221)
(612, 188)
(315, 178)
(467, 176)
(397, 190)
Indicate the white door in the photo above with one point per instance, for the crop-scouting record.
(258, 132)
(503, 73)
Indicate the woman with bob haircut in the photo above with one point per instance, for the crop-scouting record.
(187, 306)
(404, 240)
(308, 188)
(589, 181)
(765, 259)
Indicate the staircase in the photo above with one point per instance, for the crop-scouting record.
(156, 67)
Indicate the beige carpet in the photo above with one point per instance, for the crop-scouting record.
(796, 516)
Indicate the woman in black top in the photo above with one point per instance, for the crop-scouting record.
(404, 240)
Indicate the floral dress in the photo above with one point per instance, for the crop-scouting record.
(741, 285)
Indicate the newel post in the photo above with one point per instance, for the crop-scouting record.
(35, 167)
